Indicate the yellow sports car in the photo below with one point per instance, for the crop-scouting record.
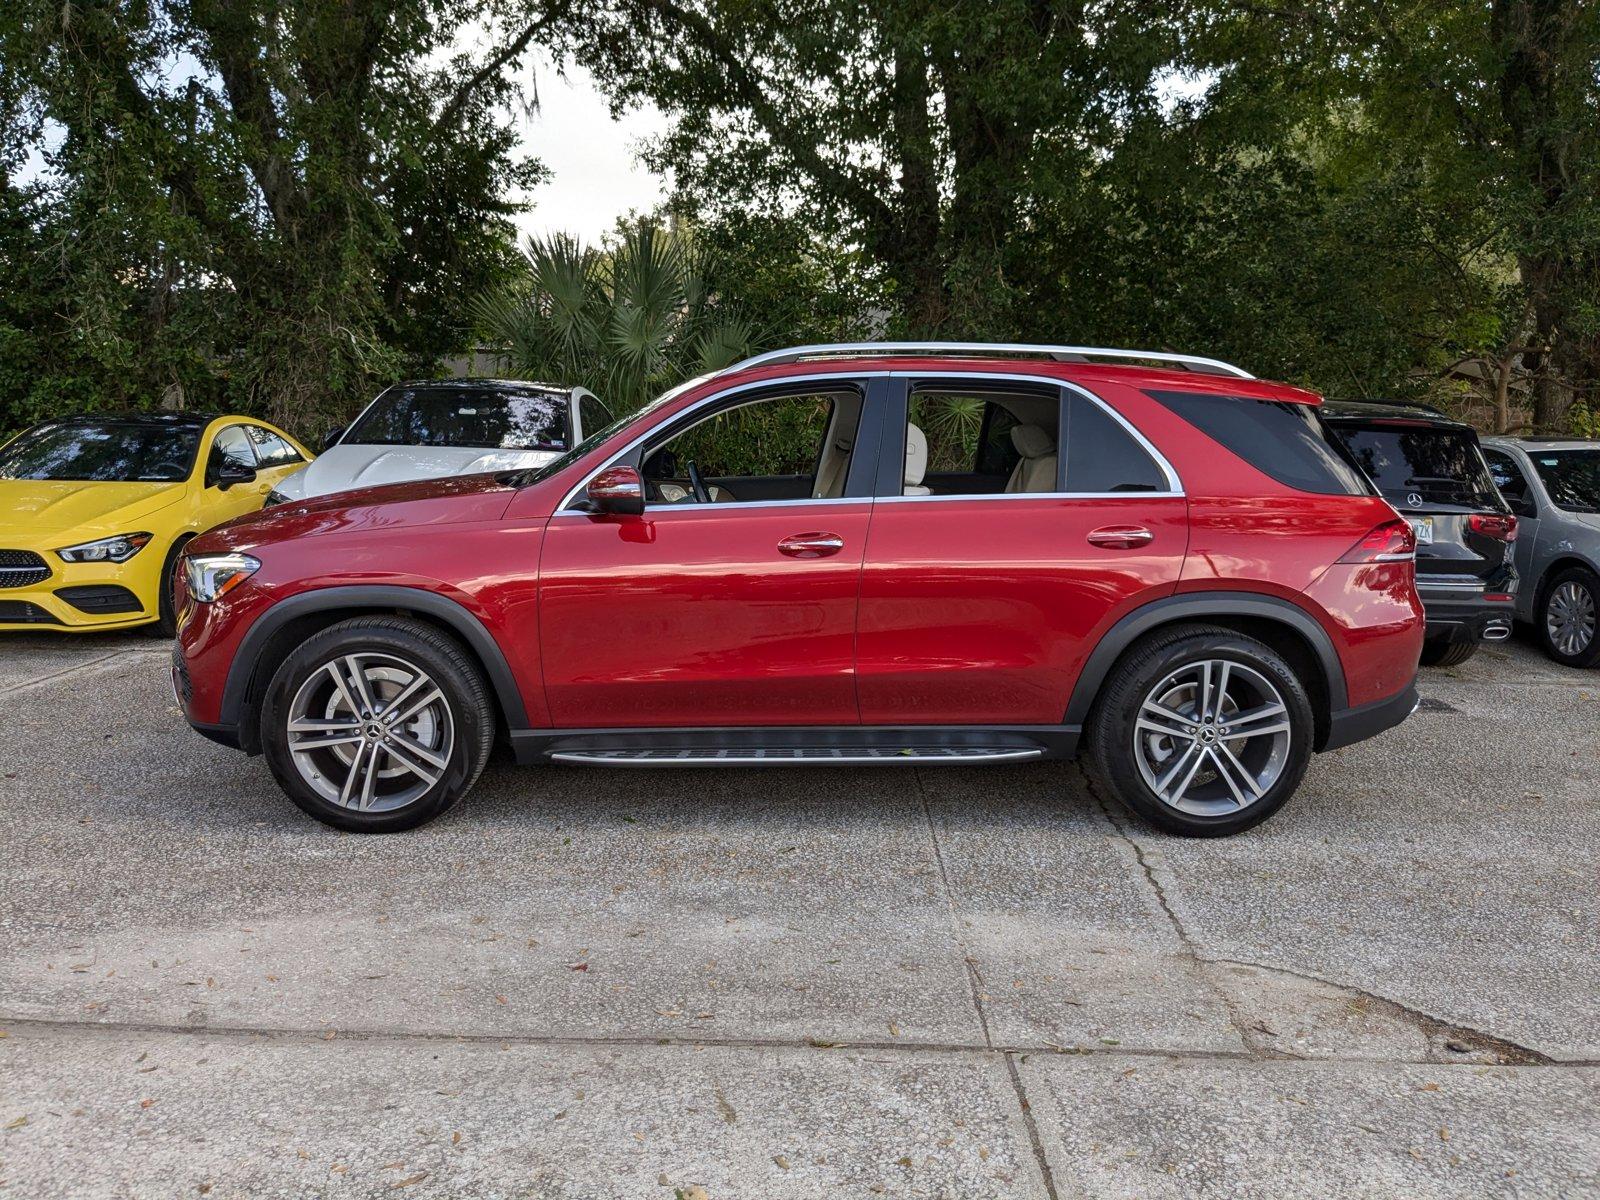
(95, 510)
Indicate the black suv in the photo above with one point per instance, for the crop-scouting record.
(1430, 468)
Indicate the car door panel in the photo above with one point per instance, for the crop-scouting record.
(983, 611)
(692, 615)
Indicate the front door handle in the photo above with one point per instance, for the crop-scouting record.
(811, 545)
(1121, 537)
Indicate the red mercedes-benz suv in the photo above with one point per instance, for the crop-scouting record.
(835, 554)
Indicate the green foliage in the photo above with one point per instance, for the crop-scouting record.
(777, 437)
(256, 204)
(1356, 197)
(627, 321)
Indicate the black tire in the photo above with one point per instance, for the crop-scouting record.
(1113, 753)
(166, 601)
(1586, 584)
(468, 713)
(1440, 652)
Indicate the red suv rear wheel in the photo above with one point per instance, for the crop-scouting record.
(1201, 731)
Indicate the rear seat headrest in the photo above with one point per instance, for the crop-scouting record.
(1032, 441)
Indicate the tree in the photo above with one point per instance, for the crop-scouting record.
(1355, 196)
(1498, 104)
(627, 321)
(907, 129)
(274, 203)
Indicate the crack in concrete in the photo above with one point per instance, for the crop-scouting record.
(83, 666)
(975, 983)
(1503, 1050)
(974, 979)
(1202, 968)
(122, 1029)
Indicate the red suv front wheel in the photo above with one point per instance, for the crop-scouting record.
(377, 724)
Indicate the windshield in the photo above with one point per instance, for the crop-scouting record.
(498, 418)
(1423, 467)
(1572, 477)
(114, 452)
(537, 474)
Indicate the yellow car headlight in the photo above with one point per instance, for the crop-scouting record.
(117, 549)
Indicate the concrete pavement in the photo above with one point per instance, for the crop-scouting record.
(934, 982)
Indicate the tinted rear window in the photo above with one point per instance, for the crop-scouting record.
(490, 418)
(1420, 467)
(1284, 441)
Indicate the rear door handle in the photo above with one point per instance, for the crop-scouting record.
(1121, 537)
(811, 545)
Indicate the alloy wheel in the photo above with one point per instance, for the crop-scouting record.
(1212, 737)
(370, 732)
(1569, 618)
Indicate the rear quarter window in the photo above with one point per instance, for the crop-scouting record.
(1286, 442)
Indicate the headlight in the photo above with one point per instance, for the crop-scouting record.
(211, 576)
(117, 549)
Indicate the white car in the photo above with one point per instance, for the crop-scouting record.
(442, 427)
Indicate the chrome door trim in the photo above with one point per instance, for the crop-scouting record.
(1174, 483)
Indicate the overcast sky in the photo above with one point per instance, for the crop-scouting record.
(595, 173)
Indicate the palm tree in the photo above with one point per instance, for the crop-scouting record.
(628, 321)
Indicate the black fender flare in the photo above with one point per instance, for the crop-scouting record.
(1200, 606)
(442, 609)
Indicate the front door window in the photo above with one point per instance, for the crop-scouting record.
(794, 447)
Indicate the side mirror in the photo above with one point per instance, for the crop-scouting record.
(1520, 504)
(618, 490)
(331, 438)
(233, 471)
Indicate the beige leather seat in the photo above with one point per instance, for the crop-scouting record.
(916, 462)
(1036, 471)
(835, 463)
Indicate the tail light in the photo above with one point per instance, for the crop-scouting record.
(1494, 525)
(1393, 541)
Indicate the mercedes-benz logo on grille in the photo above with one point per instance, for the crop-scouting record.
(1414, 499)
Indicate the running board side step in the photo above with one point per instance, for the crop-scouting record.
(765, 756)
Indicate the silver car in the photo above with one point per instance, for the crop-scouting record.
(1554, 488)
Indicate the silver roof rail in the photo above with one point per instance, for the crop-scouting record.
(1190, 362)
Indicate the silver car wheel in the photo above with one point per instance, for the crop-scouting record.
(1569, 618)
(370, 732)
(1212, 737)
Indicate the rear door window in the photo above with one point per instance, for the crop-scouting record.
(1422, 466)
(1287, 442)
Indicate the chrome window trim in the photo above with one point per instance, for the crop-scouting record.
(562, 510)
(725, 505)
(1174, 483)
(1035, 496)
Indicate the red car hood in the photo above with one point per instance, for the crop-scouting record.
(416, 504)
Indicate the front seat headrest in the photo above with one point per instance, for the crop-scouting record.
(916, 460)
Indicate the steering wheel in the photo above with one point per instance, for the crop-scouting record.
(702, 494)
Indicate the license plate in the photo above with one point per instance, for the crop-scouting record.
(1423, 528)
